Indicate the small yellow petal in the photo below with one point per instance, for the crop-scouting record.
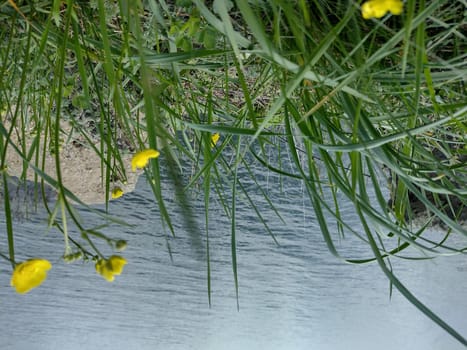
(29, 274)
(141, 159)
(102, 270)
(111, 267)
(214, 138)
(117, 192)
(116, 264)
(396, 7)
(379, 8)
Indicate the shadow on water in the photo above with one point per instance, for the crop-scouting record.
(26, 197)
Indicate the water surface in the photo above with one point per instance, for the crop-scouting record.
(294, 295)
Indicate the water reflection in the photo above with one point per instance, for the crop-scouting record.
(294, 295)
(25, 197)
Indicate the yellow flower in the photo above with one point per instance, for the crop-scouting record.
(378, 8)
(214, 138)
(111, 267)
(117, 192)
(29, 274)
(141, 159)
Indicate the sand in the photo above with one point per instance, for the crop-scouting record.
(79, 164)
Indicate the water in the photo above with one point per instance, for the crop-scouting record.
(295, 295)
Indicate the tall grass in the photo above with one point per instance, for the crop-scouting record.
(363, 105)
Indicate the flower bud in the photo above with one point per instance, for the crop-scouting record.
(120, 245)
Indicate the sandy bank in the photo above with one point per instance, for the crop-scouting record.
(79, 164)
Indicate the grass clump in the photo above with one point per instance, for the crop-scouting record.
(364, 105)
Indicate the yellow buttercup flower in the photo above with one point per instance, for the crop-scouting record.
(29, 274)
(141, 159)
(117, 192)
(378, 8)
(214, 138)
(111, 267)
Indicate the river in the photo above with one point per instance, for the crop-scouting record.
(291, 295)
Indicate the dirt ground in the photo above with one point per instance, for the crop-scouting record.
(80, 166)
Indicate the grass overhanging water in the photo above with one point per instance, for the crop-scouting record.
(367, 96)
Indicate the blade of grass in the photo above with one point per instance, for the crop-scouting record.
(405, 292)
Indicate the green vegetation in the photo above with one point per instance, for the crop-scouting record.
(365, 106)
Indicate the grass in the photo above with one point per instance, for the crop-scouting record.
(363, 106)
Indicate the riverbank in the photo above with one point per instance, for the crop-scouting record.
(80, 165)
